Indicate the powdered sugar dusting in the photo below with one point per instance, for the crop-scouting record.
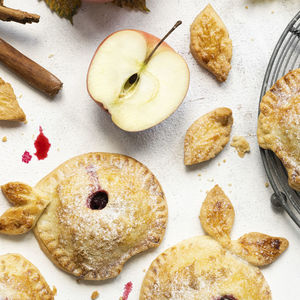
(98, 241)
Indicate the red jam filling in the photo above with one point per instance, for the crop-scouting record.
(97, 200)
(41, 145)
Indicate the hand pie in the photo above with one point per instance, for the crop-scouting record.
(279, 124)
(21, 280)
(9, 107)
(207, 136)
(210, 43)
(91, 214)
(203, 267)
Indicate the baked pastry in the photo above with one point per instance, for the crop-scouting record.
(207, 136)
(217, 217)
(200, 269)
(9, 107)
(21, 280)
(241, 145)
(203, 267)
(278, 124)
(101, 209)
(210, 43)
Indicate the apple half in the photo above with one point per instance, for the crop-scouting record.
(137, 95)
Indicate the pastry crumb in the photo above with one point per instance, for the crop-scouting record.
(50, 55)
(78, 280)
(95, 295)
(219, 164)
(20, 96)
(224, 161)
(229, 184)
(4, 139)
(272, 12)
(267, 184)
(25, 122)
(199, 174)
(246, 7)
(241, 145)
(210, 180)
(54, 290)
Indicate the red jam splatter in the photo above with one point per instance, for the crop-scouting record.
(26, 157)
(127, 290)
(41, 145)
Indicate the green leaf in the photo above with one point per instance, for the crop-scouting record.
(64, 8)
(136, 4)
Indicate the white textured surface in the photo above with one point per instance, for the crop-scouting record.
(74, 125)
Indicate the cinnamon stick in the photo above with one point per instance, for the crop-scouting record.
(30, 71)
(10, 14)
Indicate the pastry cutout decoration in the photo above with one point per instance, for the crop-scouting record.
(207, 136)
(28, 203)
(20, 279)
(217, 216)
(278, 124)
(9, 106)
(91, 214)
(210, 43)
(205, 267)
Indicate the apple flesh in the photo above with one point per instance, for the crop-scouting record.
(160, 87)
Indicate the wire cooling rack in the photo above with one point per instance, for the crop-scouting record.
(285, 57)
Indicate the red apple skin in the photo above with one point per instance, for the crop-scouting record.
(152, 41)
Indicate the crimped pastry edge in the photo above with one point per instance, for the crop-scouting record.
(152, 242)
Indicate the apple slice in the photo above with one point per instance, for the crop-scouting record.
(137, 87)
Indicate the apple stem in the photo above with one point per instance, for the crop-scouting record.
(161, 41)
(134, 78)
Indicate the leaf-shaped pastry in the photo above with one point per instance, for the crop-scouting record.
(136, 4)
(64, 8)
(9, 107)
(210, 43)
(29, 205)
(207, 136)
(279, 124)
(217, 215)
(259, 249)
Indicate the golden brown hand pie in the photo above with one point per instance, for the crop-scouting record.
(279, 124)
(207, 136)
(21, 280)
(210, 43)
(102, 209)
(201, 268)
(9, 107)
